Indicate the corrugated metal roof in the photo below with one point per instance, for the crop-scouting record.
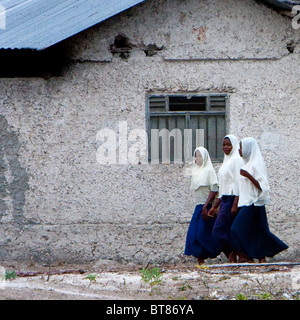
(283, 4)
(38, 24)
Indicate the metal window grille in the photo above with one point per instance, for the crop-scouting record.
(178, 123)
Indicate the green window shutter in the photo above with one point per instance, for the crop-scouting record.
(177, 124)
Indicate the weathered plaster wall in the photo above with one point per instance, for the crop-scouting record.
(70, 208)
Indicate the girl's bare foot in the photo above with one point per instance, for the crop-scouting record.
(244, 258)
(232, 257)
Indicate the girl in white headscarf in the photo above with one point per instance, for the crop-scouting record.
(199, 241)
(228, 176)
(250, 230)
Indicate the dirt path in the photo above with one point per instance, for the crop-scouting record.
(216, 282)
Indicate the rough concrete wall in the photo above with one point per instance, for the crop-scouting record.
(224, 29)
(76, 210)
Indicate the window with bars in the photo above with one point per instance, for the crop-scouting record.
(178, 123)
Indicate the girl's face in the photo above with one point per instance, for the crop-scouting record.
(198, 158)
(227, 146)
(240, 150)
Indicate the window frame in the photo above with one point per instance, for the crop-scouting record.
(186, 114)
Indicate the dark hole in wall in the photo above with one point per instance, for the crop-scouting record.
(290, 47)
(121, 46)
(152, 49)
(46, 63)
(122, 41)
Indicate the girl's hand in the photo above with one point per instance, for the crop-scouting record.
(212, 212)
(234, 210)
(204, 213)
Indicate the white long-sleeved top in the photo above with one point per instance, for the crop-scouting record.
(229, 172)
(202, 193)
(255, 165)
(228, 177)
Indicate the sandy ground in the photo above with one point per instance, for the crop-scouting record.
(178, 282)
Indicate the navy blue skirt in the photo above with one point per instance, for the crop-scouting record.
(251, 234)
(199, 240)
(221, 230)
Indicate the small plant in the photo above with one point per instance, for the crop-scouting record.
(264, 296)
(152, 276)
(9, 275)
(185, 287)
(240, 296)
(91, 277)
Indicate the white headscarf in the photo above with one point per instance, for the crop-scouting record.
(229, 171)
(253, 163)
(235, 148)
(203, 175)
